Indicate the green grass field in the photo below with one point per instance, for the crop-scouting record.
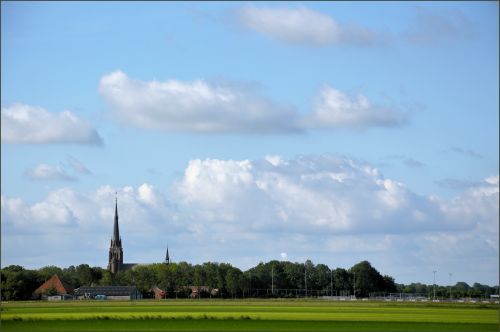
(250, 315)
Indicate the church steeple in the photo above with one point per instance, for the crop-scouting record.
(116, 229)
(115, 262)
(167, 257)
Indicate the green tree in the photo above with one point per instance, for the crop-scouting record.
(18, 283)
(48, 271)
(84, 275)
(233, 281)
(341, 281)
(107, 279)
(322, 277)
(366, 278)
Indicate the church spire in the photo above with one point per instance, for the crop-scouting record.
(116, 230)
(167, 257)
(115, 263)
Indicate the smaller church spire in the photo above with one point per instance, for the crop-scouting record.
(167, 257)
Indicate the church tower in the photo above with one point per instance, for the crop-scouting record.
(167, 257)
(115, 263)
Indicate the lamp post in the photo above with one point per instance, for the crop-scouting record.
(354, 285)
(272, 279)
(331, 282)
(450, 283)
(305, 278)
(434, 284)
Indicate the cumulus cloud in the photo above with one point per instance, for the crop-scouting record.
(86, 220)
(203, 107)
(335, 109)
(478, 204)
(52, 212)
(319, 206)
(23, 123)
(48, 172)
(309, 194)
(310, 28)
(197, 106)
(302, 26)
(331, 209)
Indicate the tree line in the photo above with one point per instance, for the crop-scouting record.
(271, 279)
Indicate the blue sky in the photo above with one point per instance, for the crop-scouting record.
(244, 132)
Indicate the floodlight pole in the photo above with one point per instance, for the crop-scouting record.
(331, 282)
(354, 285)
(272, 279)
(305, 278)
(450, 283)
(434, 285)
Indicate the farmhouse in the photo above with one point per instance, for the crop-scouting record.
(108, 292)
(54, 289)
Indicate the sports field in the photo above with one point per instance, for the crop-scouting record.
(228, 315)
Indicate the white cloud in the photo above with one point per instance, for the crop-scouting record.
(212, 180)
(331, 209)
(87, 210)
(203, 107)
(197, 106)
(335, 109)
(23, 123)
(302, 26)
(493, 180)
(48, 172)
(311, 194)
(478, 205)
(275, 160)
(306, 27)
(52, 212)
(323, 207)
(86, 220)
(146, 193)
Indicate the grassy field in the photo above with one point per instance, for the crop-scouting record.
(270, 315)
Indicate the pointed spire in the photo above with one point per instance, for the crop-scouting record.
(167, 257)
(116, 231)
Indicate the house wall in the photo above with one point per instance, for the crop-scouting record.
(54, 298)
(119, 297)
(59, 297)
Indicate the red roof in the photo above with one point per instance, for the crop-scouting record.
(54, 282)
